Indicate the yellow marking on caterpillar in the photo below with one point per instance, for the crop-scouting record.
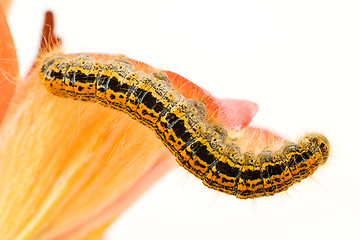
(201, 147)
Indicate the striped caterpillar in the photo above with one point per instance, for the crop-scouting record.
(201, 147)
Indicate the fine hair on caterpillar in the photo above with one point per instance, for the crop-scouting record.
(201, 146)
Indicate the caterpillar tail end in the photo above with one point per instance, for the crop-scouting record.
(322, 142)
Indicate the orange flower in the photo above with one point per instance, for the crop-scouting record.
(69, 168)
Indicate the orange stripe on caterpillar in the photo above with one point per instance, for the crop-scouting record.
(184, 125)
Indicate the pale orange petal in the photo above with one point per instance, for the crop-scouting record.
(6, 4)
(68, 167)
(9, 71)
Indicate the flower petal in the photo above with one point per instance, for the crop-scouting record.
(69, 167)
(192, 91)
(236, 114)
(9, 71)
(6, 4)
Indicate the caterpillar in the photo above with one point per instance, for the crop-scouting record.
(200, 146)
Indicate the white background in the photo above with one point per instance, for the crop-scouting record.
(299, 60)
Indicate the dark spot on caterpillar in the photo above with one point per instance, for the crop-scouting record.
(250, 175)
(159, 107)
(226, 169)
(273, 170)
(56, 75)
(123, 88)
(83, 78)
(180, 131)
(205, 155)
(114, 84)
(149, 100)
